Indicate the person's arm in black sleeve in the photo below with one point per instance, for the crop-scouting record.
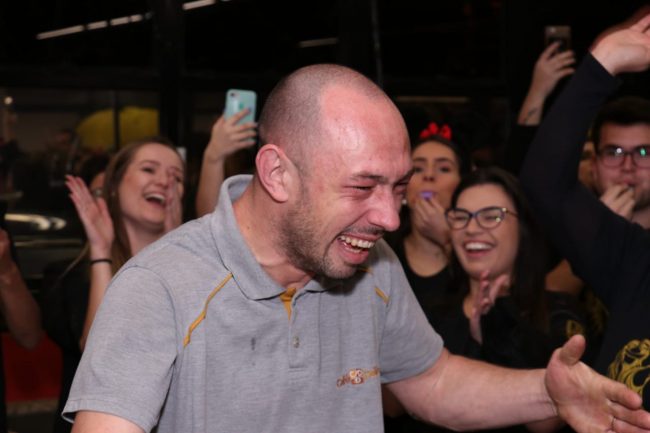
(592, 237)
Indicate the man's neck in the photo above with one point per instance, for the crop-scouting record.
(257, 225)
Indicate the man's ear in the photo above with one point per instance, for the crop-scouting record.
(271, 164)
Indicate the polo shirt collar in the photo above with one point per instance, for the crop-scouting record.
(236, 255)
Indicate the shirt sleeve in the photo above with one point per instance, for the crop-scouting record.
(127, 364)
(409, 345)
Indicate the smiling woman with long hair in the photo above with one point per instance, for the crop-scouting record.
(133, 203)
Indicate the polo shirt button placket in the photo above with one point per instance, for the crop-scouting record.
(295, 342)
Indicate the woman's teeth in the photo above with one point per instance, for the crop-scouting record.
(477, 246)
(155, 197)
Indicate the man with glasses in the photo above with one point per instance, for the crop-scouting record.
(609, 253)
(621, 135)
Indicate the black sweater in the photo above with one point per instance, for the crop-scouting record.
(608, 252)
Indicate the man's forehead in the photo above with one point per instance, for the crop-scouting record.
(624, 135)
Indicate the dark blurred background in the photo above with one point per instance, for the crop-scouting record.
(164, 65)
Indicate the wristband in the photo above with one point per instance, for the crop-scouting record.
(95, 261)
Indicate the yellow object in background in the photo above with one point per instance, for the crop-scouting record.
(97, 130)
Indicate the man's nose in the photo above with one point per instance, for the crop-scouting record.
(385, 212)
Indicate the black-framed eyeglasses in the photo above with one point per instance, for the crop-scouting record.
(487, 218)
(613, 156)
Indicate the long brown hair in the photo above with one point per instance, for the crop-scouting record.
(121, 249)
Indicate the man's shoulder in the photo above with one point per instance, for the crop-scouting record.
(188, 250)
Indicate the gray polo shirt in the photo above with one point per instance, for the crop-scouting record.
(192, 335)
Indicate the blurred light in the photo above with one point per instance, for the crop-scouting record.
(97, 25)
(198, 4)
(119, 21)
(60, 32)
(40, 222)
(318, 42)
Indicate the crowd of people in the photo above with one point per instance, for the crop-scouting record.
(281, 308)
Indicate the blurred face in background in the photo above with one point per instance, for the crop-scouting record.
(629, 138)
(436, 173)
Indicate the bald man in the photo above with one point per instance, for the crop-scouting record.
(284, 311)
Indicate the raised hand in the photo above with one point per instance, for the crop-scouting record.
(94, 216)
(489, 290)
(551, 67)
(228, 136)
(625, 50)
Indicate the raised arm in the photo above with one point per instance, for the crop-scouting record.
(98, 225)
(550, 68)
(226, 138)
(573, 215)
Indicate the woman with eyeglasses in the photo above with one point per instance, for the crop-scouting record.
(501, 313)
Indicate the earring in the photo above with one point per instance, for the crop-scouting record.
(404, 202)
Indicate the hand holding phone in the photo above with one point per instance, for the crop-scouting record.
(238, 100)
(561, 34)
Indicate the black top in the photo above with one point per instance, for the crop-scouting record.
(430, 291)
(509, 339)
(608, 252)
(65, 302)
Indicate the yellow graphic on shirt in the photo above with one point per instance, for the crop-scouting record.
(632, 365)
(573, 328)
(356, 376)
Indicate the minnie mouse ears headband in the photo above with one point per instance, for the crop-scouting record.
(433, 130)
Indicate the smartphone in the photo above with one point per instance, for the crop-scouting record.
(560, 34)
(237, 100)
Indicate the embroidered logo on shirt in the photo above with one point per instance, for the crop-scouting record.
(356, 376)
(632, 365)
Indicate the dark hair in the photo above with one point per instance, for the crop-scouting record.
(92, 166)
(121, 250)
(529, 272)
(460, 152)
(626, 111)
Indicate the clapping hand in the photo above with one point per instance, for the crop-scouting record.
(489, 290)
(94, 215)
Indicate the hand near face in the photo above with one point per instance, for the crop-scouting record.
(173, 205)
(489, 290)
(94, 216)
(228, 136)
(620, 199)
(588, 401)
(429, 220)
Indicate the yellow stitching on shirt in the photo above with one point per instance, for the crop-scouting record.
(199, 319)
(382, 295)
